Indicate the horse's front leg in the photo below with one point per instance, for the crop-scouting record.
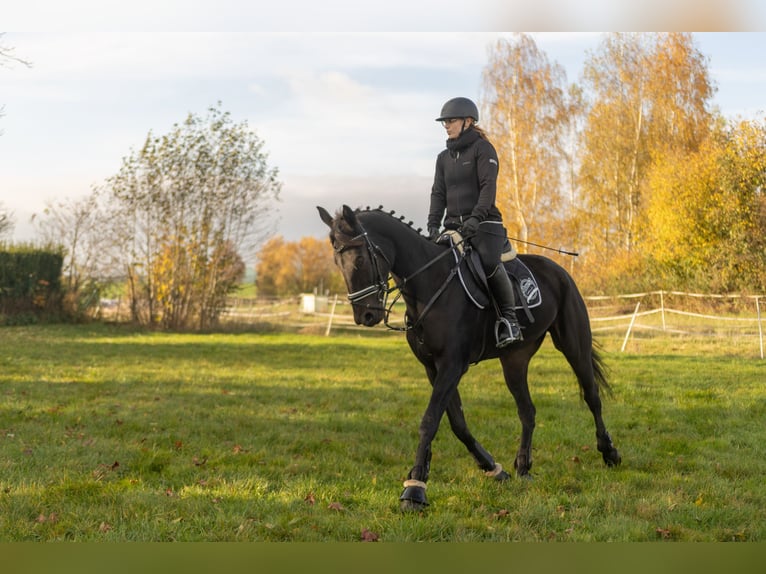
(444, 383)
(460, 428)
(515, 371)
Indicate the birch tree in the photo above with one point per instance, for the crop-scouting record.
(527, 117)
(185, 207)
(649, 96)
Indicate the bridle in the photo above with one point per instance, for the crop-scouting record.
(380, 282)
(379, 285)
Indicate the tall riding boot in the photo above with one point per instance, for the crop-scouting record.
(507, 328)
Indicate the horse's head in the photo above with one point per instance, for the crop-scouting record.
(364, 266)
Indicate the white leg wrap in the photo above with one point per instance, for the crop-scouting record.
(495, 471)
(413, 482)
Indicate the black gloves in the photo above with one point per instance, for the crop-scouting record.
(433, 233)
(469, 227)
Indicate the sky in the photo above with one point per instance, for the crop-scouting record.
(344, 106)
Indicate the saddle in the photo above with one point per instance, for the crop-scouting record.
(474, 281)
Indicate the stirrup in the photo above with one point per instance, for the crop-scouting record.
(511, 335)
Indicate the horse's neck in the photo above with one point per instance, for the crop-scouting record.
(415, 264)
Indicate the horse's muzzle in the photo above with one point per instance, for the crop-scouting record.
(367, 316)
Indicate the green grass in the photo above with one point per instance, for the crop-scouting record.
(112, 434)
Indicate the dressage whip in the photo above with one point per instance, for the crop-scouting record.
(559, 250)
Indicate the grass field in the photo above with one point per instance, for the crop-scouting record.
(112, 434)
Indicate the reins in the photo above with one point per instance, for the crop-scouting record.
(433, 299)
(380, 283)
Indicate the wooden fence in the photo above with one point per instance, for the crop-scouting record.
(659, 312)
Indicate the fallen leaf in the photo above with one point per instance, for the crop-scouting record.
(310, 499)
(335, 506)
(368, 536)
(663, 532)
(52, 518)
(104, 527)
(501, 513)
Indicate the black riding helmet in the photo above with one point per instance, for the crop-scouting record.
(459, 108)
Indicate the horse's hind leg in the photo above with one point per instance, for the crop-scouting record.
(586, 364)
(460, 429)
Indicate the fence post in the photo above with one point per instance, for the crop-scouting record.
(632, 320)
(332, 314)
(760, 325)
(662, 309)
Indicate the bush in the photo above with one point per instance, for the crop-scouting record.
(30, 283)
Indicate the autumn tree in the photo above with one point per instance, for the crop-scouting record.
(649, 96)
(289, 268)
(528, 116)
(184, 208)
(707, 214)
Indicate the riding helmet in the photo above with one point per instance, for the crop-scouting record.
(459, 108)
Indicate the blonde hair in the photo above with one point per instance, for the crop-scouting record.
(481, 132)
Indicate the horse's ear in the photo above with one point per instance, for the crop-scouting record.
(326, 217)
(349, 216)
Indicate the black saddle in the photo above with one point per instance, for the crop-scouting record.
(474, 280)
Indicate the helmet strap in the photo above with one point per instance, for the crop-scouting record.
(463, 128)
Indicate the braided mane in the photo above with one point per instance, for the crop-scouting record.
(391, 214)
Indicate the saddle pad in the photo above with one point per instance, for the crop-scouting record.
(525, 283)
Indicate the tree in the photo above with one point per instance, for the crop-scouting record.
(7, 222)
(7, 57)
(181, 208)
(708, 212)
(525, 101)
(78, 226)
(289, 268)
(649, 97)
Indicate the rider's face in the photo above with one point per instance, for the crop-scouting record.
(454, 126)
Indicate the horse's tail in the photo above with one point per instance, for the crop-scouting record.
(600, 369)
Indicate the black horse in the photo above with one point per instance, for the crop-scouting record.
(447, 332)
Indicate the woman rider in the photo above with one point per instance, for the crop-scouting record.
(465, 185)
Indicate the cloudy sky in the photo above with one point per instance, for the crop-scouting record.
(346, 111)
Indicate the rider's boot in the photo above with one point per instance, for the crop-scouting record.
(507, 328)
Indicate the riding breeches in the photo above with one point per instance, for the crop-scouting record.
(489, 241)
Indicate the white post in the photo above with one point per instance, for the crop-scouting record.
(332, 313)
(760, 326)
(632, 320)
(662, 308)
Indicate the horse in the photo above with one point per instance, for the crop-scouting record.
(447, 332)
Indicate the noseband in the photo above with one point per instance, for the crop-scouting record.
(380, 281)
(380, 284)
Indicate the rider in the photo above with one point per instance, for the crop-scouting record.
(465, 185)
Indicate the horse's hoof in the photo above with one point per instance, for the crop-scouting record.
(410, 507)
(525, 476)
(502, 476)
(413, 499)
(612, 458)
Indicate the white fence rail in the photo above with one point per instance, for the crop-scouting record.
(660, 312)
(716, 315)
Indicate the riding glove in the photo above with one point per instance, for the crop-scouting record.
(470, 227)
